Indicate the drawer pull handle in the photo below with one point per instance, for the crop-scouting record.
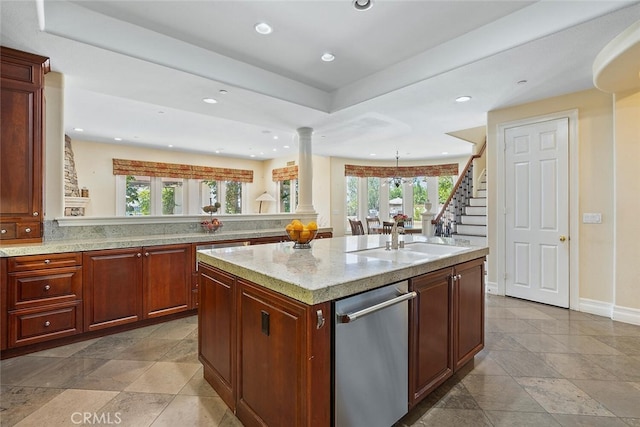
(27, 230)
(3, 231)
(47, 261)
(47, 324)
(47, 287)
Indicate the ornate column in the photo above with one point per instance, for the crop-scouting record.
(305, 172)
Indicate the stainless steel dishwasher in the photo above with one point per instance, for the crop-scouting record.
(371, 357)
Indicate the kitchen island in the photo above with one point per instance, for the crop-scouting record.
(266, 319)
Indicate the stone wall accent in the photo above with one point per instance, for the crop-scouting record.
(71, 188)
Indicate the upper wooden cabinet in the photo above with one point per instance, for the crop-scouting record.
(21, 145)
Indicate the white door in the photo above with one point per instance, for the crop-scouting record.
(537, 212)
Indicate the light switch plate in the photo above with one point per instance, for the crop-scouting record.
(592, 218)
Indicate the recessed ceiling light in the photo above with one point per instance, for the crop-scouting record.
(118, 139)
(263, 28)
(362, 5)
(328, 57)
(252, 155)
(285, 146)
(275, 136)
(160, 112)
(78, 129)
(464, 98)
(217, 151)
(372, 154)
(170, 146)
(445, 152)
(209, 100)
(223, 92)
(275, 149)
(522, 82)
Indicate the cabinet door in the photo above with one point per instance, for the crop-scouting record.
(469, 311)
(167, 280)
(112, 287)
(271, 362)
(3, 303)
(216, 331)
(430, 332)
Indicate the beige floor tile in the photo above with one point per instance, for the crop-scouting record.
(65, 373)
(17, 402)
(622, 367)
(501, 341)
(186, 351)
(500, 393)
(164, 377)
(540, 343)
(621, 398)
(587, 421)
(517, 326)
(114, 375)
(147, 349)
(529, 313)
(550, 326)
(198, 386)
(454, 417)
(67, 408)
(105, 347)
(140, 332)
(576, 366)
(137, 409)
(192, 411)
(66, 350)
(523, 364)
(487, 366)
(174, 330)
(18, 369)
(627, 345)
(560, 396)
(498, 313)
(585, 344)
(520, 419)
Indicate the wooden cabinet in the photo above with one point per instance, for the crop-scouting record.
(267, 353)
(468, 310)
(430, 333)
(43, 297)
(3, 303)
(21, 145)
(446, 325)
(216, 331)
(112, 287)
(128, 285)
(166, 279)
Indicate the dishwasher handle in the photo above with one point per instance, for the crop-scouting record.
(350, 317)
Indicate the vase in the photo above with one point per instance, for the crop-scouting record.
(427, 206)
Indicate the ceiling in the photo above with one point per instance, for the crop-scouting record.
(139, 70)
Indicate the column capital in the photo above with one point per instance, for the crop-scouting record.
(304, 131)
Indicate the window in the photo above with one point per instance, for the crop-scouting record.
(232, 197)
(373, 197)
(352, 197)
(172, 196)
(153, 196)
(288, 195)
(138, 195)
(420, 195)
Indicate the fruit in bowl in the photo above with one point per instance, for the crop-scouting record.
(301, 234)
(210, 226)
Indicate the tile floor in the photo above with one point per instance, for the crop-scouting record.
(542, 366)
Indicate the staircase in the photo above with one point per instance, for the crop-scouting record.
(472, 224)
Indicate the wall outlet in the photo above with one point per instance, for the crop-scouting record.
(592, 218)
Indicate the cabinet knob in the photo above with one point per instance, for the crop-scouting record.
(47, 287)
(3, 231)
(36, 214)
(47, 324)
(459, 276)
(146, 254)
(27, 230)
(47, 261)
(138, 254)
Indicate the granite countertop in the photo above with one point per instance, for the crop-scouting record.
(61, 246)
(333, 268)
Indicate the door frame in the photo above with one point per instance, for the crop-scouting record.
(574, 222)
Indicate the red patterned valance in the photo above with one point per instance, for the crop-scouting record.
(402, 171)
(174, 170)
(284, 174)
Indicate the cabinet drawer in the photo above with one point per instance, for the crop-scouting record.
(27, 230)
(44, 287)
(7, 230)
(32, 326)
(37, 262)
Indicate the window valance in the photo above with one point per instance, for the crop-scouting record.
(174, 170)
(401, 171)
(284, 174)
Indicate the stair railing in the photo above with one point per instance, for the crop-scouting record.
(452, 210)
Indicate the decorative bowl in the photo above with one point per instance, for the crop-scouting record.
(302, 238)
(210, 226)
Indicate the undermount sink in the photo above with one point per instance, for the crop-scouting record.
(412, 252)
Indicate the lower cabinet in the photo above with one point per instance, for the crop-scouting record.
(446, 325)
(267, 355)
(43, 298)
(112, 288)
(127, 285)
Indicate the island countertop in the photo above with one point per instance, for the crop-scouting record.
(332, 268)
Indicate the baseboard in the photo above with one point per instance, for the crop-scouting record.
(491, 288)
(596, 307)
(626, 315)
